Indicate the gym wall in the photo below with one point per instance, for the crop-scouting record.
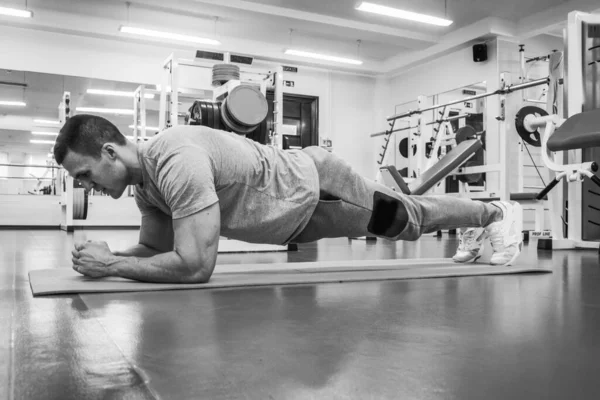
(449, 72)
(346, 111)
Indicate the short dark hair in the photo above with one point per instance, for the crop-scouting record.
(86, 134)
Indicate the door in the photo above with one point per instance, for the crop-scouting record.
(300, 120)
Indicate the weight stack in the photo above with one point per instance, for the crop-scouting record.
(223, 73)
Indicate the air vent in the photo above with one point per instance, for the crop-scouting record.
(208, 55)
(241, 59)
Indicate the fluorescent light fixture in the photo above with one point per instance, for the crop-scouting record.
(394, 12)
(44, 133)
(325, 57)
(13, 12)
(148, 128)
(46, 122)
(43, 141)
(117, 93)
(121, 111)
(12, 103)
(168, 35)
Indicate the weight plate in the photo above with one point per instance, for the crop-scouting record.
(218, 124)
(75, 204)
(465, 133)
(231, 123)
(204, 113)
(247, 106)
(80, 206)
(470, 178)
(403, 148)
(529, 135)
(210, 115)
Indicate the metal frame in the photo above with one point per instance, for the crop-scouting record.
(503, 90)
(67, 201)
(139, 113)
(416, 164)
(575, 169)
(170, 91)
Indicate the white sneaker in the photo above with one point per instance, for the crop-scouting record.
(506, 235)
(470, 247)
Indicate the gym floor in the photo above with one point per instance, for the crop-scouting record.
(500, 337)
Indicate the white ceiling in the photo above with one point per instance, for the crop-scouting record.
(261, 28)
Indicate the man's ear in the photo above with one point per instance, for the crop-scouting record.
(109, 150)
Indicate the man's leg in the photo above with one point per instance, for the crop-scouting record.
(352, 206)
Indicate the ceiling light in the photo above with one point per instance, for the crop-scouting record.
(117, 93)
(394, 12)
(121, 111)
(168, 35)
(43, 141)
(45, 133)
(317, 56)
(13, 12)
(12, 103)
(148, 128)
(46, 121)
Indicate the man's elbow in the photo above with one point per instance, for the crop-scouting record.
(198, 278)
(198, 275)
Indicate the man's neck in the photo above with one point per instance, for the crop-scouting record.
(134, 167)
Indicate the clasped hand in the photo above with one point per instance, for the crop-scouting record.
(93, 259)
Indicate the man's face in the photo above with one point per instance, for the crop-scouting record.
(106, 174)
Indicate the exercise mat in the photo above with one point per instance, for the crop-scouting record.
(66, 280)
(236, 246)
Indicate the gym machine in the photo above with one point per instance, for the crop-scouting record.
(430, 174)
(217, 113)
(570, 147)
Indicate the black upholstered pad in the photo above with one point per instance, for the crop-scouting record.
(581, 131)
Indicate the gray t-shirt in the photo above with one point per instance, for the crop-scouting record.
(266, 195)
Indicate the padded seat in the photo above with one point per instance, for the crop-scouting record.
(452, 160)
(581, 131)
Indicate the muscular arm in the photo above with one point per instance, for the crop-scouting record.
(156, 237)
(191, 260)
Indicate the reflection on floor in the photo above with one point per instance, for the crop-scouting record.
(500, 337)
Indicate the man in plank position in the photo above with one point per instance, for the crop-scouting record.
(195, 184)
